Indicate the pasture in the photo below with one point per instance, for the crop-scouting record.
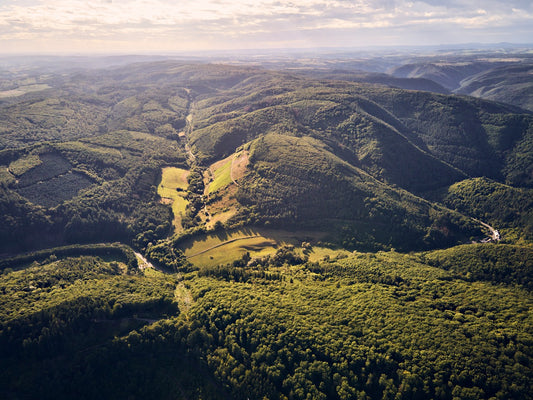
(172, 189)
(21, 90)
(221, 172)
(225, 247)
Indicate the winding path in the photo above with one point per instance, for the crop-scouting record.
(184, 298)
(189, 128)
(494, 234)
(145, 263)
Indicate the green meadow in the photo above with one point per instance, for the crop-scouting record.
(173, 188)
(225, 247)
(221, 176)
(21, 90)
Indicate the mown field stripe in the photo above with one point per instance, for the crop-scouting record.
(222, 244)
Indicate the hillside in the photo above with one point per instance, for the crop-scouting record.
(508, 84)
(506, 79)
(300, 182)
(108, 138)
(202, 231)
(448, 74)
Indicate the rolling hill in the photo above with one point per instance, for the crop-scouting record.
(322, 151)
(306, 236)
(446, 73)
(506, 79)
(508, 84)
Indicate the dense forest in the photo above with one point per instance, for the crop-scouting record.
(371, 325)
(377, 240)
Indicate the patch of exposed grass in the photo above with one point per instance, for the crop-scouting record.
(173, 187)
(225, 247)
(231, 251)
(21, 90)
(221, 176)
(24, 164)
(222, 217)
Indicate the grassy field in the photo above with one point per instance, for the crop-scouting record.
(222, 216)
(172, 189)
(225, 247)
(23, 90)
(221, 175)
(24, 164)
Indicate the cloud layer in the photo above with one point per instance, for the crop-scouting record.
(163, 25)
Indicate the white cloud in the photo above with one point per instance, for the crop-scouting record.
(245, 23)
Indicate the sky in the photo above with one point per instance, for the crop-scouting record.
(164, 26)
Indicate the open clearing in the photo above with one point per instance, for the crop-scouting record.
(227, 171)
(173, 188)
(221, 182)
(225, 247)
(221, 172)
(23, 90)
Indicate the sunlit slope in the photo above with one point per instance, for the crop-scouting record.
(172, 189)
(417, 140)
(359, 130)
(300, 182)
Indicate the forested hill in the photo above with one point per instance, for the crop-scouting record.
(84, 150)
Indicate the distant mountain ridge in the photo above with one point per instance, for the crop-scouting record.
(504, 81)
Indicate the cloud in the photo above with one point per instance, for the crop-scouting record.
(246, 23)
